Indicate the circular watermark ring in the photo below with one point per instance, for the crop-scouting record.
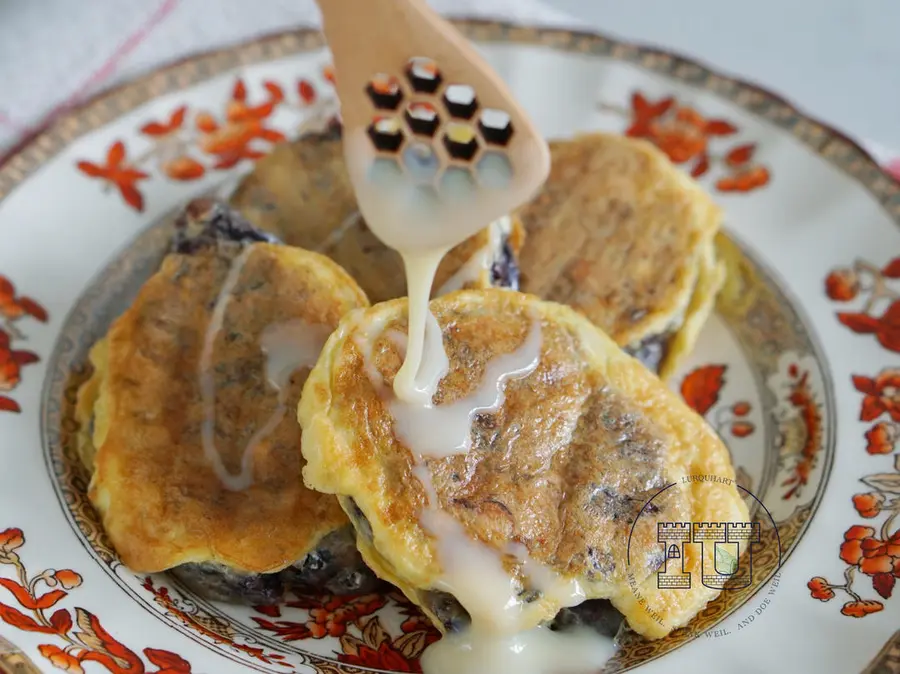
(725, 550)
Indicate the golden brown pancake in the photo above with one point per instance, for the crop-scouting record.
(302, 194)
(187, 358)
(626, 238)
(563, 468)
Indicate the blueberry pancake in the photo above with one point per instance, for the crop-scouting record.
(626, 238)
(188, 424)
(546, 481)
(301, 193)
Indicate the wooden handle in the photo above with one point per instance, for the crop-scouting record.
(368, 37)
(379, 37)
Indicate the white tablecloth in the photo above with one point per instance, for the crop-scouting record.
(56, 53)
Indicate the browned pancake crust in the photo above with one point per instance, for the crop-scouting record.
(160, 500)
(620, 234)
(564, 467)
(301, 192)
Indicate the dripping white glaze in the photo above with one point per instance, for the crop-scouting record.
(471, 272)
(491, 600)
(536, 651)
(411, 219)
(565, 592)
(425, 355)
(364, 341)
(406, 218)
(287, 347)
(474, 574)
(339, 232)
(432, 431)
(436, 431)
(442, 430)
(290, 345)
(482, 261)
(495, 641)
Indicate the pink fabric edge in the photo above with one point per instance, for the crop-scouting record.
(893, 167)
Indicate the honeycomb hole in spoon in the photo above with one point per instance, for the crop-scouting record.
(461, 141)
(422, 119)
(385, 91)
(494, 170)
(458, 183)
(386, 134)
(421, 162)
(435, 136)
(460, 101)
(495, 126)
(423, 75)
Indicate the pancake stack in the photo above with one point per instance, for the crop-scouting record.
(559, 473)
(188, 359)
(627, 239)
(197, 460)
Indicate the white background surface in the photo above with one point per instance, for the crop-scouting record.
(838, 59)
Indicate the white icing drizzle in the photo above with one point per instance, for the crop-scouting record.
(414, 381)
(413, 220)
(536, 651)
(565, 592)
(470, 272)
(437, 365)
(474, 574)
(290, 345)
(483, 259)
(338, 232)
(364, 341)
(472, 571)
(437, 431)
(287, 346)
(442, 430)
(405, 219)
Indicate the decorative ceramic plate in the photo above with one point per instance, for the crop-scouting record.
(799, 369)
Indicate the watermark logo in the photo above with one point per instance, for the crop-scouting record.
(732, 566)
(721, 553)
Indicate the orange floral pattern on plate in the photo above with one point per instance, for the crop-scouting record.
(347, 617)
(687, 137)
(873, 284)
(207, 625)
(328, 616)
(700, 389)
(872, 551)
(14, 307)
(800, 397)
(84, 637)
(187, 144)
